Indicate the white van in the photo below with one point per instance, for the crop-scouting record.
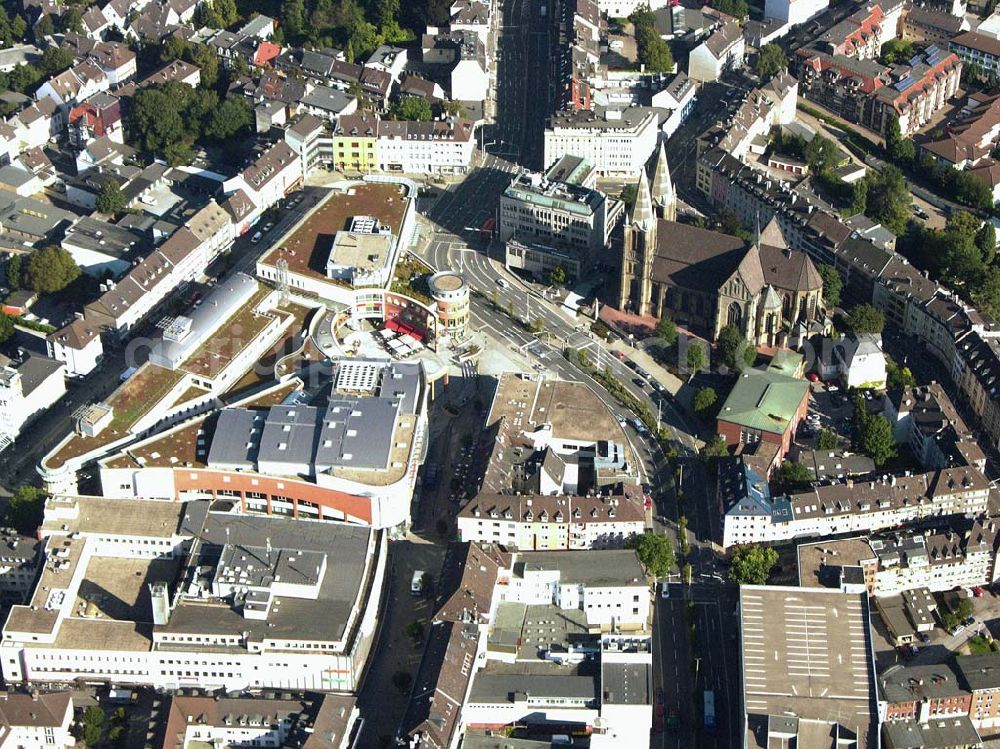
(417, 583)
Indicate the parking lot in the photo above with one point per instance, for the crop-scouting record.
(829, 409)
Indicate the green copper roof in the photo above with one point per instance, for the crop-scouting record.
(764, 400)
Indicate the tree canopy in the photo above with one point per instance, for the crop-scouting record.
(695, 357)
(888, 198)
(737, 8)
(51, 269)
(411, 108)
(654, 551)
(751, 565)
(896, 51)
(791, 474)
(864, 318)
(733, 349)
(24, 509)
(827, 440)
(557, 276)
(822, 153)
(666, 331)
(873, 434)
(704, 399)
(110, 198)
(771, 60)
(653, 52)
(832, 284)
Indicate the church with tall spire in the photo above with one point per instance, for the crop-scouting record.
(706, 280)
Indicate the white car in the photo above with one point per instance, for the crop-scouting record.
(503, 283)
(256, 237)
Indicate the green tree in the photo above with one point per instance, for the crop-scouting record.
(821, 154)
(293, 19)
(415, 630)
(896, 376)
(386, 12)
(411, 109)
(72, 20)
(972, 74)
(888, 200)
(654, 551)
(900, 150)
(877, 440)
(864, 318)
(828, 440)
(557, 276)
(54, 60)
(695, 358)
(736, 8)
(51, 269)
(231, 120)
(174, 48)
(832, 285)
(653, 52)
(704, 399)
(666, 331)
(15, 277)
(732, 347)
(43, 28)
(951, 618)
(751, 565)
(207, 62)
(715, 448)
(771, 60)
(24, 509)
(986, 241)
(896, 51)
(93, 725)
(110, 198)
(227, 11)
(791, 474)
(24, 78)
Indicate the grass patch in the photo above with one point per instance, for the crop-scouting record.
(980, 645)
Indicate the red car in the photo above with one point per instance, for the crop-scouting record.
(978, 592)
(812, 377)
(657, 724)
(649, 502)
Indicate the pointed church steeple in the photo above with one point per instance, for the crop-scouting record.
(664, 197)
(642, 212)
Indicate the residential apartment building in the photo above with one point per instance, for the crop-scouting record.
(723, 50)
(20, 557)
(794, 12)
(955, 554)
(355, 143)
(267, 180)
(247, 620)
(549, 523)
(864, 91)
(752, 515)
(39, 720)
(613, 593)
(27, 387)
(310, 721)
(436, 147)
(616, 142)
(78, 346)
(978, 49)
(972, 137)
(308, 138)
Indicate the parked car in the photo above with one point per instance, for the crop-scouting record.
(256, 237)
(978, 592)
(812, 377)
